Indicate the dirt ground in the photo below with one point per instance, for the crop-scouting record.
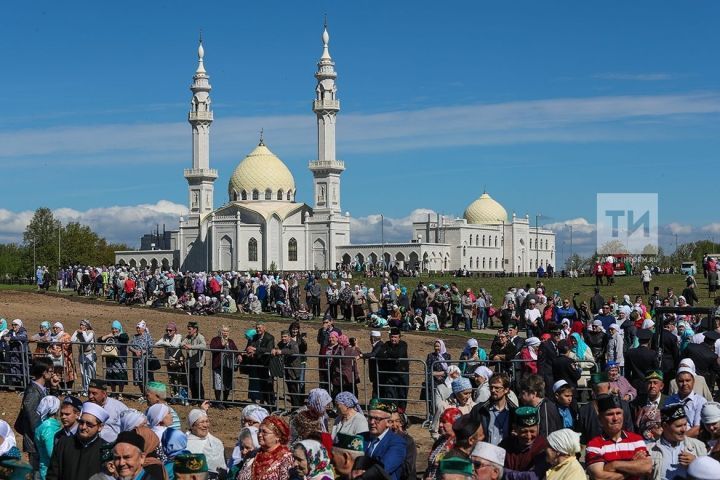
(33, 308)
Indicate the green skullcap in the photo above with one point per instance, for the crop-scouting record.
(157, 387)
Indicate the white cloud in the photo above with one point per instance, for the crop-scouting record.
(368, 229)
(568, 120)
(117, 223)
(639, 77)
(679, 228)
(579, 225)
(711, 228)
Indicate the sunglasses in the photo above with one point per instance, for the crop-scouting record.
(87, 424)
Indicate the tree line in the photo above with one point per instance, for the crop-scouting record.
(46, 241)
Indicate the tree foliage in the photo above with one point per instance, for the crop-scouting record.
(46, 241)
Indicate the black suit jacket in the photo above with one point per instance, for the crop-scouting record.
(563, 368)
(28, 419)
(389, 358)
(670, 351)
(372, 363)
(262, 345)
(705, 362)
(638, 361)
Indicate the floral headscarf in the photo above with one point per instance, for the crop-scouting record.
(318, 461)
(318, 400)
(344, 341)
(349, 400)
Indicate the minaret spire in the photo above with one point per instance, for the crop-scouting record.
(200, 177)
(326, 169)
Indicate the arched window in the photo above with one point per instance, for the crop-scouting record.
(496, 262)
(256, 195)
(471, 241)
(292, 250)
(483, 240)
(289, 195)
(252, 250)
(268, 194)
(483, 262)
(234, 196)
(280, 194)
(472, 263)
(496, 241)
(546, 245)
(531, 244)
(243, 195)
(464, 251)
(477, 239)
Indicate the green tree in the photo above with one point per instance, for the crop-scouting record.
(13, 261)
(41, 238)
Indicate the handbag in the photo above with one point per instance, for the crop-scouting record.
(177, 362)
(153, 363)
(109, 350)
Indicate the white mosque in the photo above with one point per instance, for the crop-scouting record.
(263, 227)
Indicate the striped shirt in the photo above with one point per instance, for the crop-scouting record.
(605, 450)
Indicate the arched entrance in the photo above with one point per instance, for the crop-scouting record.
(319, 255)
(226, 253)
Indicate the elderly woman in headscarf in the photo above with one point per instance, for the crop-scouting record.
(313, 418)
(312, 461)
(274, 459)
(529, 356)
(253, 415)
(159, 418)
(481, 379)
(85, 337)
(45, 432)
(437, 368)
(41, 339)
(173, 443)
(686, 333)
(115, 353)
(563, 446)
(443, 443)
(60, 337)
(343, 371)
(246, 448)
(471, 356)
(200, 440)
(350, 419)
(141, 347)
(581, 353)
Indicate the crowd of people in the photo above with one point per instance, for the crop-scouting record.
(599, 388)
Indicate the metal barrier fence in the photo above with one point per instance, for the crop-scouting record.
(237, 377)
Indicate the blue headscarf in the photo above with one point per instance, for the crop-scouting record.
(3, 324)
(174, 442)
(580, 346)
(118, 325)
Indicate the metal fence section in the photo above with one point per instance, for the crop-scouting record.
(403, 382)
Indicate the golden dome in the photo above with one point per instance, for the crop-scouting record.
(262, 171)
(485, 211)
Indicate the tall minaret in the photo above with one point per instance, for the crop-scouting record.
(200, 177)
(326, 169)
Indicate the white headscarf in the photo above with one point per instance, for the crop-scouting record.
(131, 418)
(255, 413)
(8, 437)
(195, 415)
(59, 326)
(48, 406)
(565, 441)
(155, 415)
(237, 451)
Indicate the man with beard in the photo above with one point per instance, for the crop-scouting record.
(393, 370)
(79, 456)
(616, 454)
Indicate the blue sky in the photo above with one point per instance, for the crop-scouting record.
(545, 104)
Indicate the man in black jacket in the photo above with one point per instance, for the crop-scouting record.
(666, 340)
(259, 350)
(640, 360)
(393, 370)
(532, 394)
(28, 419)
(79, 456)
(706, 361)
(564, 367)
(377, 345)
(547, 353)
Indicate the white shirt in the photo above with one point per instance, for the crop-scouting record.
(693, 406)
(532, 314)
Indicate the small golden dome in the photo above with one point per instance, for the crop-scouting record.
(485, 211)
